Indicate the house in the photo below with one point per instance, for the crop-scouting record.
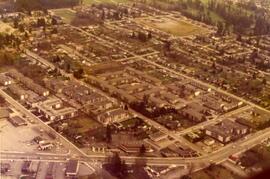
(194, 112)
(221, 135)
(17, 121)
(26, 167)
(5, 167)
(18, 91)
(171, 98)
(45, 145)
(5, 80)
(99, 106)
(226, 131)
(33, 98)
(72, 168)
(112, 116)
(28, 83)
(55, 85)
(38, 140)
(158, 136)
(143, 76)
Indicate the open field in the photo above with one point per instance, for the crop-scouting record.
(5, 28)
(103, 1)
(179, 28)
(85, 124)
(67, 14)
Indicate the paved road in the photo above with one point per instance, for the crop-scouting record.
(163, 129)
(215, 157)
(206, 84)
(213, 121)
(180, 74)
(147, 120)
(218, 156)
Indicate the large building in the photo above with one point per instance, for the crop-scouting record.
(28, 83)
(53, 110)
(226, 131)
(72, 168)
(5, 80)
(112, 116)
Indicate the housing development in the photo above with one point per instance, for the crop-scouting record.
(134, 89)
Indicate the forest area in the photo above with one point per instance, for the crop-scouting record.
(28, 5)
(242, 18)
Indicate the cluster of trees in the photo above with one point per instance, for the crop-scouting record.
(7, 58)
(9, 39)
(143, 108)
(116, 166)
(29, 5)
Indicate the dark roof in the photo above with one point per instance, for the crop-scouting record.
(72, 167)
(17, 121)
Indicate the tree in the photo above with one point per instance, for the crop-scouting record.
(116, 166)
(167, 46)
(264, 81)
(2, 100)
(54, 31)
(108, 134)
(54, 21)
(142, 37)
(185, 177)
(116, 163)
(239, 38)
(149, 35)
(78, 73)
(41, 22)
(142, 149)
(16, 23)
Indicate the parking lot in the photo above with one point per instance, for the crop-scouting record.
(21, 138)
(41, 169)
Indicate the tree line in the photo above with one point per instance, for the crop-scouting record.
(29, 5)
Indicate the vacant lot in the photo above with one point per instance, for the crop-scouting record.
(67, 14)
(175, 27)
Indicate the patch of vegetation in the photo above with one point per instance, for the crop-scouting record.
(30, 5)
(67, 14)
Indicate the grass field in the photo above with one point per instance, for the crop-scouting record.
(104, 1)
(67, 14)
(85, 124)
(179, 28)
(5, 28)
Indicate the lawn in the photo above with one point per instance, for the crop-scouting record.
(85, 124)
(67, 14)
(175, 27)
